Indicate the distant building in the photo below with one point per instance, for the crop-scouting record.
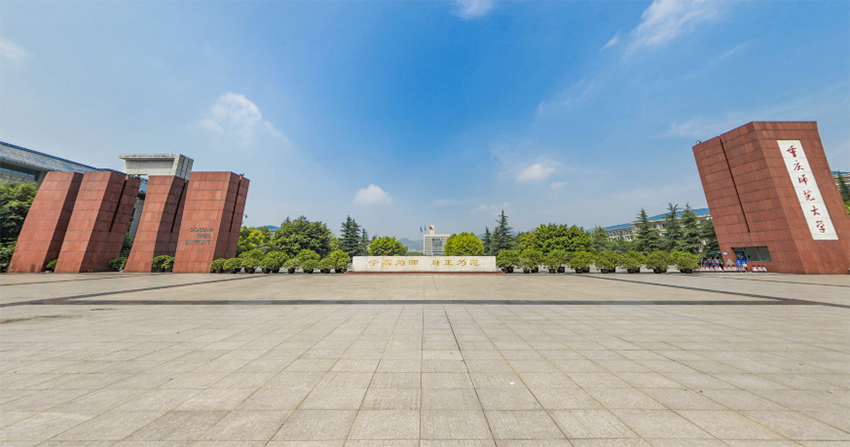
(627, 232)
(157, 164)
(434, 244)
(20, 164)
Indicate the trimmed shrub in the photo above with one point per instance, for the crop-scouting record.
(325, 264)
(684, 261)
(217, 264)
(556, 259)
(309, 265)
(507, 258)
(158, 261)
(117, 264)
(257, 254)
(632, 260)
(582, 260)
(232, 264)
(340, 260)
(291, 264)
(51, 265)
(270, 263)
(168, 262)
(658, 260)
(608, 260)
(305, 254)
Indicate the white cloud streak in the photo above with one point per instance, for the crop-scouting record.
(13, 53)
(235, 115)
(665, 20)
(472, 9)
(372, 195)
(557, 185)
(535, 172)
(614, 40)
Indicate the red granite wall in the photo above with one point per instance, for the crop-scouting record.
(159, 224)
(44, 228)
(753, 201)
(98, 223)
(212, 217)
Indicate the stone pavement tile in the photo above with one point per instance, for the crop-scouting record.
(98, 401)
(215, 399)
(157, 400)
(577, 366)
(699, 381)
(178, 426)
(191, 381)
(450, 399)
(355, 365)
(334, 399)
(686, 443)
(446, 380)
(443, 366)
(760, 443)
(750, 381)
(274, 399)
(547, 380)
(457, 443)
(499, 380)
(52, 443)
(837, 420)
(396, 380)
(311, 365)
(316, 425)
(597, 380)
(247, 425)
(371, 354)
(228, 444)
(142, 381)
(479, 354)
(113, 425)
(533, 443)
(42, 400)
(741, 400)
(622, 366)
(609, 443)
(728, 425)
(385, 424)
(243, 380)
(565, 399)
(10, 417)
(337, 443)
(647, 380)
(295, 379)
(399, 366)
(591, 424)
(42, 426)
(382, 443)
(660, 424)
(682, 399)
(522, 425)
(488, 366)
(454, 424)
(391, 399)
(624, 398)
(800, 400)
(796, 426)
(346, 380)
(507, 399)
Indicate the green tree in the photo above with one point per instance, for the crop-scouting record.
(364, 244)
(349, 240)
(250, 238)
(647, 238)
(546, 238)
(501, 238)
(15, 202)
(691, 240)
(599, 239)
(464, 244)
(300, 234)
(673, 234)
(386, 246)
(843, 188)
(487, 242)
(622, 246)
(709, 236)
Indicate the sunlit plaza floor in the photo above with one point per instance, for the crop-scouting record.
(424, 360)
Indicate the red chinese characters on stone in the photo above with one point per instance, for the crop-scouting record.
(808, 194)
(798, 166)
(792, 150)
(803, 179)
(820, 225)
(815, 211)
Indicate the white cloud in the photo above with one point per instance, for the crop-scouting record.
(472, 9)
(235, 115)
(495, 209)
(12, 52)
(664, 20)
(557, 185)
(535, 172)
(577, 93)
(612, 42)
(372, 194)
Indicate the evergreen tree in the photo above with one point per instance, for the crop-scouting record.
(647, 238)
(843, 187)
(364, 244)
(673, 237)
(349, 240)
(486, 241)
(501, 238)
(599, 239)
(709, 236)
(691, 239)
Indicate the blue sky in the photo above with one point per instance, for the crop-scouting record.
(409, 113)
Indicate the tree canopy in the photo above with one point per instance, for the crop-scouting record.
(250, 238)
(647, 238)
(501, 238)
(673, 230)
(300, 234)
(464, 244)
(350, 240)
(15, 201)
(386, 246)
(691, 240)
(548, 237)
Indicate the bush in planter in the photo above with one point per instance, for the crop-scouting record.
(325, 265)
(304, 255)
(632, 261)
(158, 261)
(556, 260)
(507, 259)
(270, 264)
(257, 254)
(117, 264)
(607, 261)
(291, 264)
(168, 263)
(535, 257)
(526, 264)
(309, 265)
(658, 261)
(217, 266)
(685, 262)
(250, 264)
(233, 265)
(340, 260)
(51, 266)
(280, 256)
(581, 261)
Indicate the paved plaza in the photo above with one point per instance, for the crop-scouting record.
(424, 360)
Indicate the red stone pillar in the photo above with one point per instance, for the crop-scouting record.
(763, 193)
(99, 221)
(159, 224)
(212, 217)
(44, 228)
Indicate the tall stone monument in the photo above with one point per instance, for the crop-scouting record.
(160, 221)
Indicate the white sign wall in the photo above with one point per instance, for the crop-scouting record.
(807, 190)
(434, 264)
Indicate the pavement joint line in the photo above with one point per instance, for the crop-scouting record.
(725, 292)
(61, 280)
(68, 301)
(785, 282)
